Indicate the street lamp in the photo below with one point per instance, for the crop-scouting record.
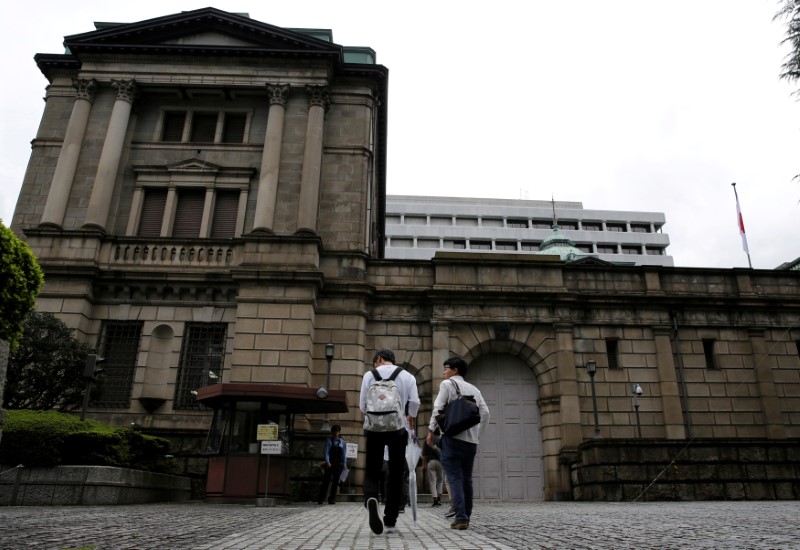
(591, 368)
(322, 392)
(637, 391)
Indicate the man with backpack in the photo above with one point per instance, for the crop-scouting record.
(389, 401)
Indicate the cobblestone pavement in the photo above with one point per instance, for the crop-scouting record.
(199, 526)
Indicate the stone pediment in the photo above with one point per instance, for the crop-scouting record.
(206, 30)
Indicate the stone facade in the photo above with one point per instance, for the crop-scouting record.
(301, 263)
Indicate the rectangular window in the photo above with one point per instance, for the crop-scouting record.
(200, 363)
(567, 225)
(492, 222)
(480, 245)
(471, 222)
(708, 352)
(591, 226)
(152, 216)
(459, 244)
(583, 247)
(618, 227)
(631, 250)
(204, 127)
(606, 249)
(233, 128)
(517, 223)
(541, 224)
(226, 209)
(441, 220)
(397, 242)
(612, 353)
(427, 243)
(189, 213)
(640, 228)
(530, 246)
(392, 220)
(174, 122)
(654, 251)
(505, 245)
(119, 345)
(416, 220)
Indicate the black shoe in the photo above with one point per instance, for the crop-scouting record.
(436, 502)
(460, 524)
(375, 522)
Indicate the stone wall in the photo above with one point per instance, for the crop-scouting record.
(88, 485)
(707, 469)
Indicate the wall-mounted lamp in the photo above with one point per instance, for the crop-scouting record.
(637, 392)
(591, 368)
(322, 392)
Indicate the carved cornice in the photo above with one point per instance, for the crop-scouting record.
(278, 94)
(126, 90)
(85, 88)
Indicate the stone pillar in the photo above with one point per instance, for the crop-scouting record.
(674, 427)
(441, 351)
(271, 159)
(308, 208)
(107, 168)
(770, 404)
(569, 412)
(60, 186)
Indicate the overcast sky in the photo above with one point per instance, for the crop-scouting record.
(620, 105)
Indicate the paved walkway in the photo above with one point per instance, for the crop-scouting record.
(199, 526)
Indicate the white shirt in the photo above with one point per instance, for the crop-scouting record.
(406, 387)
(447, 393)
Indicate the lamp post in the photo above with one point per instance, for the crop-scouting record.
(322, 392)
(637, 391)
(591, 368)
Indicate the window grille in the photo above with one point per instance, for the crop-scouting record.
(708, 352)
(204, 127)
(119, 345)
(612, 353)
(189, 213)
(174, 122)
(201, 361)
(233, 128)
(155, 201)
(226, 208)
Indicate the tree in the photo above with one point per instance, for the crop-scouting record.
(790, 11)
(45, 371)
(20, 281)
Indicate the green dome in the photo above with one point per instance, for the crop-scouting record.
(559, 245)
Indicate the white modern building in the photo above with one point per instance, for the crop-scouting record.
(419, 226)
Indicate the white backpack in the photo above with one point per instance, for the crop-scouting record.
(385, 411)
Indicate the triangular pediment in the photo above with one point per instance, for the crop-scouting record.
(192, 165)
(209, 30)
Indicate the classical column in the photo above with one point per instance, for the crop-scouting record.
(674, 427)
(103, 189)
(270, 159)
(56, 205)
(770, 403)
(308, 209)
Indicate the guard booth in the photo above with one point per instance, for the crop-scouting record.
(237, 470)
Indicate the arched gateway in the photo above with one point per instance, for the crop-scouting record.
(509, 462)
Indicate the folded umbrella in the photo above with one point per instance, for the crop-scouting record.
(413, 452)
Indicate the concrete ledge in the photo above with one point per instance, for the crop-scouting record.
(88, 485)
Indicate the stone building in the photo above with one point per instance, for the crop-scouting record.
(206, 195)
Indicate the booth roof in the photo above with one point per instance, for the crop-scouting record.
(298, 399)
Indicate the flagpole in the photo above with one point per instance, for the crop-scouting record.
(740, 221)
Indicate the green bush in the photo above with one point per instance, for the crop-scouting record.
(49, 438)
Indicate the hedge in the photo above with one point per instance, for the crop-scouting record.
(49, 438)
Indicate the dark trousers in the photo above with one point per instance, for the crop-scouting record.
(331, 477)
(376, 441)
(458, 458)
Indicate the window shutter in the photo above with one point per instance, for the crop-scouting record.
(173, 126)
(204, 126)
(226, 208)
(189, 213)
(233, 129)
(152, 212)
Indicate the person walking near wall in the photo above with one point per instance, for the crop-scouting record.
(389, 400)
(432, 454)
(458, 450)
(335, 453)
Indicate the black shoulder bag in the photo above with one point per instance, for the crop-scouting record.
(459, 415)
